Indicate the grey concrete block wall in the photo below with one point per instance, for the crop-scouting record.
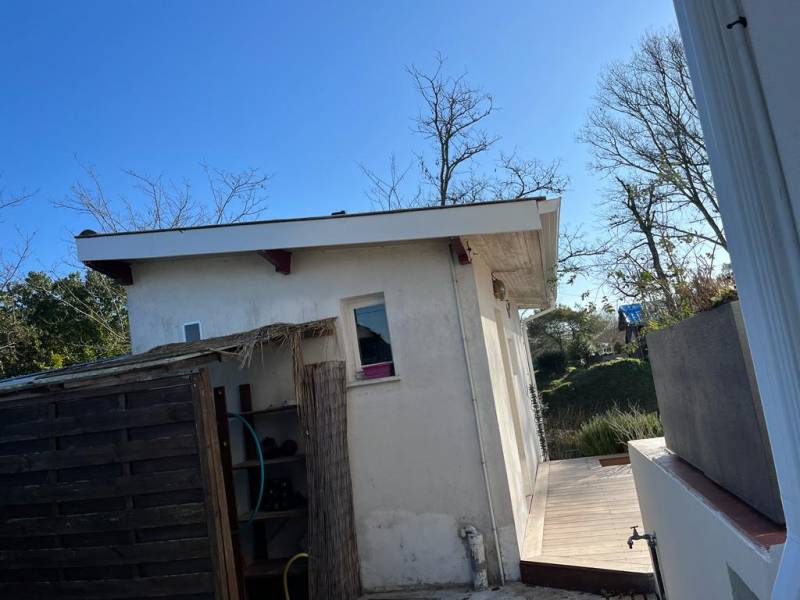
(710, 407)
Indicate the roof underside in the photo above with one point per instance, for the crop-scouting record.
(525, 261)
(515, 259)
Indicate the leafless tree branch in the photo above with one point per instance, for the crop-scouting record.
(645, 124)
(453, 111)
(162, 203)
(385, 192)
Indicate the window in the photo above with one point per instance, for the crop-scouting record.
(372, 343)
(191, 332)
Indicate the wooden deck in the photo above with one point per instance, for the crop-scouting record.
(579, 523)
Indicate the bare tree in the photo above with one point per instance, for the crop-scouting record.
(451, 119)
(518, 178)
(163, 203)
(385, 192)
(237, 196)
(13, 258)
(644, 243)
(575, 252)
(645, 125)
(452, 113)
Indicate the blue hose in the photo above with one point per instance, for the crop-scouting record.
(257, 441)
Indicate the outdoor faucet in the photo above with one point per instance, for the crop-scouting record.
(651, 539)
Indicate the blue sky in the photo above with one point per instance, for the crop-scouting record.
(305, 91)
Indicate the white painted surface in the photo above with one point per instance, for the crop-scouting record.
(414, 455)
(696, 543)
(746, 84)
(773, 33)
(494, 217)
(512, 468)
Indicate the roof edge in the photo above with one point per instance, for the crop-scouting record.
(88, 233)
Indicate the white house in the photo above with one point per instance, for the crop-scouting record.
(441, 430)
(743, 60)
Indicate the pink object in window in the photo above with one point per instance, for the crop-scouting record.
(384, 369)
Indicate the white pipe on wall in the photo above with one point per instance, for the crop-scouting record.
(475, 409)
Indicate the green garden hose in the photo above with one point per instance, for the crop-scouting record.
(257, 441)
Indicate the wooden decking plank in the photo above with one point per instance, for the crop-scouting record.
(582, 514)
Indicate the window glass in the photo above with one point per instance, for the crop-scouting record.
(191, 332)
(372, 330)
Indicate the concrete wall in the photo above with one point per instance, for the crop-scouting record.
(702, 554)
(710, 406)
(414, 453)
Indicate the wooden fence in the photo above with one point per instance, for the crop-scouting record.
(113, 492)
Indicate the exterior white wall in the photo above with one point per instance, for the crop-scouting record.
(501, 375)
(746, 87)
(696, 543)
(414, 454)
(772, 29)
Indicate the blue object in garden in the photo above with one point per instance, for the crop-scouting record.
(631, 313)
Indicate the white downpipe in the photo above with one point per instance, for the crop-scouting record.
(496, 537)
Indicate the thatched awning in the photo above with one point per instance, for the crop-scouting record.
(239, 344)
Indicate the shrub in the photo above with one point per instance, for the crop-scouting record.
(610, 432)
(551, 364)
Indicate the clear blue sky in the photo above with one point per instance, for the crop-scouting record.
(306, 91)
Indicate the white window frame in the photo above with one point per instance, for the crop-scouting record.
(354, 366)
(199, 328)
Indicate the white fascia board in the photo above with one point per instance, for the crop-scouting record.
(373, 228)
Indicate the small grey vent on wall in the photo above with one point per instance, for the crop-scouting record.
(191, 332)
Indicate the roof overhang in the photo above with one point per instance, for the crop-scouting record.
(525, 261)
(315, 232)
(518, 239)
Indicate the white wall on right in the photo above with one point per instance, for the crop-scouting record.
(698, 547)
(774, 41)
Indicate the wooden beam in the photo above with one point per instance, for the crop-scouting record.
(280, 259)
(463, 252)
(118, 270)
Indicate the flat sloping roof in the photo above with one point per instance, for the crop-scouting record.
(333, 230)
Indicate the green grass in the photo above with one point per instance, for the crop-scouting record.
(610, 432)
(596, 410)
(624, 383)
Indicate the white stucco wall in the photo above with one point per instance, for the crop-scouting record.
(414, 454)
(499, 398)
(508, 374)
(696, 543)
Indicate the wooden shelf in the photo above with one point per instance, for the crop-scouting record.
(254, 464)
(271, 410)
(276, 514)
(273, 567)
